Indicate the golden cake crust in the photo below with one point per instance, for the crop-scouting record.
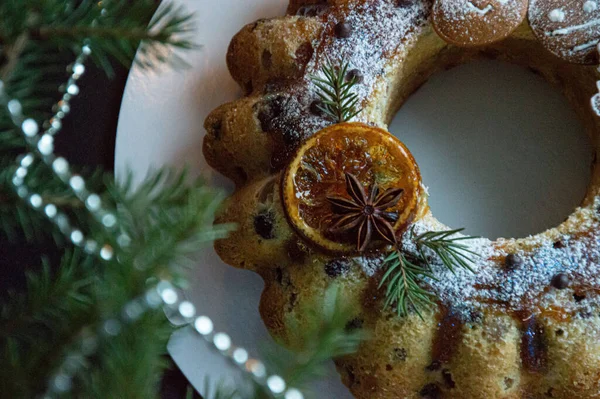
(532, 345)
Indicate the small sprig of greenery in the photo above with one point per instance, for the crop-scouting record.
(406, 271)
(324, 336)
(339, 102)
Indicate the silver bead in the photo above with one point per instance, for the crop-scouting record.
(60, 114)
(46, 144)
(163, 285)
(30, 127)
(222, 341)
(203, 325)
(60, 165)
(240, 355)
(93, 202)
(91, 246)
(133, 310)
(89, 345)
(17, 181)
(50, 210)
(112, 327)
(169, 296)
(187, 309)
(66, 97)
(76, 237)
(123, 240)
(63, 106)
(86, 50)
(14, 107)
(109, 220)
(256, 368)
(62, 222)
(21, 172)
(61, 383)
(78, 70)
(35, 200)
(22, 191)
(153, 299)
(293, 393)
(276, 384)
(77, 183)
(27, 160)
(106, 252)
(56, 123)
(73, 90)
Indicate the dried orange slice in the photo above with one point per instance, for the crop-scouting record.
(319, 172)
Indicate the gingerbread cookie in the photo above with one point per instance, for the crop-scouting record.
(470, 23)
(569, 29)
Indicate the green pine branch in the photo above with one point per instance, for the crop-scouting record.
(405, 272)
(338, 100)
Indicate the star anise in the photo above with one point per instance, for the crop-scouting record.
(365, 212)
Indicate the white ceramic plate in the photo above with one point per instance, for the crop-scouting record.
(502, 153)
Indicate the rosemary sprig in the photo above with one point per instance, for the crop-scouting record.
(405, 271)
(336, 92)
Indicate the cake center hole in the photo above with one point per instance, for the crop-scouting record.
(502, 152)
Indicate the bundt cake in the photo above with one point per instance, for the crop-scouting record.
(324, 194)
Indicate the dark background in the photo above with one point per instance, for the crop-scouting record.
(87, 139)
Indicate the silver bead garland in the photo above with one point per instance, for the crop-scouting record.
(178, 312)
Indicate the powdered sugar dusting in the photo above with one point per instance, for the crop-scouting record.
(528, 287)
(378, 28)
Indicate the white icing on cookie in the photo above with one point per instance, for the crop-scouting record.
(480, 11)
(596, 103)
(556, 15)
(590, 6)
(570, 29)
(586, 46)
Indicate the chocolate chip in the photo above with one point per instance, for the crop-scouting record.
(354, 324)
(282, 277)
(264, 223)
(448, 380)
(343, 30)
(337, 267)
(215, 129)
(431, 391)
(267, 59)
(508, 383)
(400, 354)
(560, 332)
(355, 75)
(269, 111)
(558, 244)
(513, 261)
(434, 366)
(578, 298)
(550, 393)
(560, 281)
